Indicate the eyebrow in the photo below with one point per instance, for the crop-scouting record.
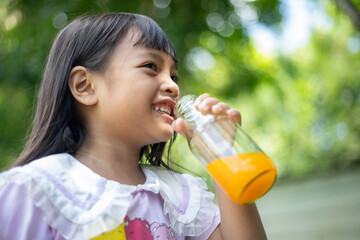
(156, 56)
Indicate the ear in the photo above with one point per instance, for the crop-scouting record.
(81, 86)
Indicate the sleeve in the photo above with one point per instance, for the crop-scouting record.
(20, 219)
(200, 211)
(207, 233)
(207, 205)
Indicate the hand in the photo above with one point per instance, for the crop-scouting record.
(209, 105)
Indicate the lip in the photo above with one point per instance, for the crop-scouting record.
(169, 102)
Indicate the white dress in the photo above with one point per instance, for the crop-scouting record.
(57, 197)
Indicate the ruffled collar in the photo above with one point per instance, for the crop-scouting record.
(80, 204)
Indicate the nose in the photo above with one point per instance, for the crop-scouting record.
(170, 87)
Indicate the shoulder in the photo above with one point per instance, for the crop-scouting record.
(74, 200)
(179, 188)
(187, 200)
(22, 219)
(174, 179)
(56, 176)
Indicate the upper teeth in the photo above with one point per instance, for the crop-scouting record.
(163, 108)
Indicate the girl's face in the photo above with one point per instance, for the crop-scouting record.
(136, 95)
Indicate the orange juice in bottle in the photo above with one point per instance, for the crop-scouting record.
(245, 177)
(231, 157)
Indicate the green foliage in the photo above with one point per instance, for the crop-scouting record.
(302, 108)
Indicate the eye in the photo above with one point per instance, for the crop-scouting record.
(152, 66)
(174, 78)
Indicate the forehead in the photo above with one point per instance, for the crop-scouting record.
(152, 38)
(128, 48)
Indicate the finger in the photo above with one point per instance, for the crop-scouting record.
(234, 115)
(205, 107)
(220, 108)
(200, 98)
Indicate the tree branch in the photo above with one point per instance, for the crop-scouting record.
(351, 10)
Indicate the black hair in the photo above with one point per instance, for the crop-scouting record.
(87, 41)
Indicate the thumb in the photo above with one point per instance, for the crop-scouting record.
(179, 126)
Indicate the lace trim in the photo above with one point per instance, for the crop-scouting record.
(200, 213)
(107, 207)
(79, 224)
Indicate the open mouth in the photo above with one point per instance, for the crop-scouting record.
(163, 108)
(166, 107)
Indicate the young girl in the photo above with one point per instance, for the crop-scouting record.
(106, 104)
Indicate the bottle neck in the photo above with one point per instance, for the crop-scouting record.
(185, 108)
(195, 121)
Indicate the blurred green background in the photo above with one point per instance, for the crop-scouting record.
(291, 67)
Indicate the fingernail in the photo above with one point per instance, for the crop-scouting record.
(204, 106)
(218, 108)
(173, 125)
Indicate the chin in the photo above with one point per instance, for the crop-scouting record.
(165, 135)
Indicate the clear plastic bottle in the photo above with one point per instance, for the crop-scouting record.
(231, 157)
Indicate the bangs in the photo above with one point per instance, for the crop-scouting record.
(152, 36)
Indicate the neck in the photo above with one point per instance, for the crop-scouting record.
(117, 162)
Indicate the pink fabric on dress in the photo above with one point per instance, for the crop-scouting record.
(20, 219)
(58, 198)
(149, 206)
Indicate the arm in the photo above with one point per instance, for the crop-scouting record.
(237, 221)
(20, 219)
